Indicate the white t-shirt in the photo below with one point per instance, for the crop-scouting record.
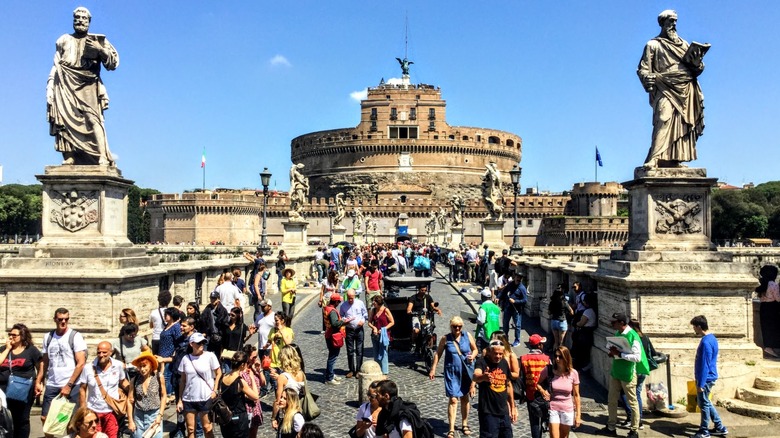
(405, 425)
(365, 412)
(228, 294)
(158, 323)
(591, 315)
(109, 378)
(62, 361)
(264, 325)
(200, 376)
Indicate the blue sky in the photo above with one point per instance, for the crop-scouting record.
(243, 78)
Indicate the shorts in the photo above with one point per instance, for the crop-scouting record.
(558, 325)
(201, 407)
(415, 323)
(50, 393)
(560, 417)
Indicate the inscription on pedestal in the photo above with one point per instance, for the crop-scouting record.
(75, 211)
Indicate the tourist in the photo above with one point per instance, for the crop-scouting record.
(84, 424)
(509, 355)
(310, 430)
(623, 375)
(642, 372)
(329, 285)
(103, 378)
(559, 312)
(20, 358)
(236, 334)
(238, 281)
(490, 270)
(583, 333)
(319, 267)
(288, 288)
(214, 321)
(182, 349)
(292, 376)
(70, 350)
(157, 320)
(127, 315)
(146, 398)
(351, 281)
(168, 338)
(281, 265)
(200, 374)
(389, 422)
(513, 298)
(705, 370)
(263, 326)
(380, 321)
(531, 366)
(236, 392)
(488, 320)
(253, 376)
(373, 281)
(128, 346)
(354, 313)
(368, 413)
(419, 302)
(335, 255)
(769, 295)
(178, 300)
(279, 336)
(229, 294)
(193, 311)
(333, 326)
(422, 264)
(471, 258)
(289, 419)
(496, 405)
(459, 351)
(256, 278)
(352, 263)
(565, 412)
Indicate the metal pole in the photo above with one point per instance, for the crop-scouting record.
(463, 223)
(264, 236)
(330, 224)
(516, 236)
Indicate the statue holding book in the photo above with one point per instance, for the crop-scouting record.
(668, 70)
(75, 95)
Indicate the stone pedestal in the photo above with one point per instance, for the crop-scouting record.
(493, 234)
(295, 239)
(669, 272)
(358, 238)
(457, 236)
(339, 233)
(442, 237)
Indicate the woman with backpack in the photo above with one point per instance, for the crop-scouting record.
(22, 360)
(236, 393)
(146, 399)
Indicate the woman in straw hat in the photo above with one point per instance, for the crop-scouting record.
(287, 287)
(146, 404)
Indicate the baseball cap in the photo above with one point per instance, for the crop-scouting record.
(486, 293)
(620, 317)
(265, 302)
(536, 340)
(214, 294)
(335, 297)
(196, 338)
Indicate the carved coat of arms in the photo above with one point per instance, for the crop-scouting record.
(678, 217)
(76, 210)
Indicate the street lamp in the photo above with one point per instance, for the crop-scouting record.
(354, 231)
(515, 174)
(331, 213)
(265, 180)
(463, 223)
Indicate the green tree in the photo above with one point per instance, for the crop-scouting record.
(138, 220)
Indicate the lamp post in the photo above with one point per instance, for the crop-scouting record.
(515, 174)
(331, 213)
(463, 223)
(354, 231)
(265, 180)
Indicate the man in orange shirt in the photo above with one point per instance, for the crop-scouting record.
(531, 366)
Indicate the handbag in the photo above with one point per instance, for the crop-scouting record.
(219, 412)
(118, 406)
(337, 338)
(60, 412)
(309, 407)
(227, 354)
(468, 366)
(353, 432)
(18, 387)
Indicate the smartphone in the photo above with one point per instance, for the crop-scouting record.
(368, 419)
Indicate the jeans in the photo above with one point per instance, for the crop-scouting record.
(471, 275)
(378, 347)
(20, 412)
(629, 389)
(167, 374)
(333, 354)
(320, 272)
(536, 424)
(143, 421)
(511, 313)
(494, 426)
(708, 411)
(354, 340)
(288, 309)
(640, 383)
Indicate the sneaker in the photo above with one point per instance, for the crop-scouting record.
(641, 426)
(625, 423)
(719, 431)
(701, 434)
(337, 378)
(632, 434)
(606, 431)
(333, 382)
(516, 343)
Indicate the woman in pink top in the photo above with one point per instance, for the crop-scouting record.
(564, 396)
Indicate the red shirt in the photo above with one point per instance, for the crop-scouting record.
(531, 366)
(373, 279)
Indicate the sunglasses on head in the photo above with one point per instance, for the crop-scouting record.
(496, 344)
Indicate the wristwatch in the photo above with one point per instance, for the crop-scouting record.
(71, 385)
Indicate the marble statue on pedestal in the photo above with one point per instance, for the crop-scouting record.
(456, 203)
(442, 217)
(359, 218)
(299, 190)
(76, 96)
(341, 209)
(668, 70)
(492, 195)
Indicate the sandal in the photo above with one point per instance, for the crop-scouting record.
(451, 434)
(466, 430)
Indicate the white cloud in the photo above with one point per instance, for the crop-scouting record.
(394, 81)
(280, 60)
(359, 95)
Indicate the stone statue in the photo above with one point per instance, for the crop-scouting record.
(405, 63)
(341, 210)
(359, 218)
(492, 195)
(430, 225)
(299, 190)
(76, 96)
(442, 218)
(373, 228)
(369, 219)
(434, 219)
(456, 203)
(668, 71)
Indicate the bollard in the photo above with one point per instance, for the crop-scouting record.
(369, 373)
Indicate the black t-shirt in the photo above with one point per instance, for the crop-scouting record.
(234, 337)
(493, 395)
(24, 364)
(419, 304)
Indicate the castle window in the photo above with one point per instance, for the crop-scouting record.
(431, 113)
(373, 126)
(435, 137)
(510, 142)
(432, 126)
(452, 137)
(403, 199)
(466, 138)
(393, 114)
(479, 138)
(494, 140)
(413, 114)
(373, 113)
(529, 223)
(417, 97)
(403, 132)
(387, 96)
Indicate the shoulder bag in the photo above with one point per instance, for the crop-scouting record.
(309, 407)
(219, 411)
(118, 406)
(469, 367)
(18, 387)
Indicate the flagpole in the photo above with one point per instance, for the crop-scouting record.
(203, 166)
(596, 164)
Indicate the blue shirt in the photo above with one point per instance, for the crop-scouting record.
(167, 340)
(706, 365)
(357, 310)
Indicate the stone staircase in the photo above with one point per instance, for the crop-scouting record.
(763, 399)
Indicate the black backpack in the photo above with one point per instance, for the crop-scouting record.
(421, 427)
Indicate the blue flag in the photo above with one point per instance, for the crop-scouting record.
(598, 157)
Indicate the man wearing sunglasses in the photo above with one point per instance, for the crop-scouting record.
(64, 355)
(496, 406)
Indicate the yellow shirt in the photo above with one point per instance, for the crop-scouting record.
(288, 288)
